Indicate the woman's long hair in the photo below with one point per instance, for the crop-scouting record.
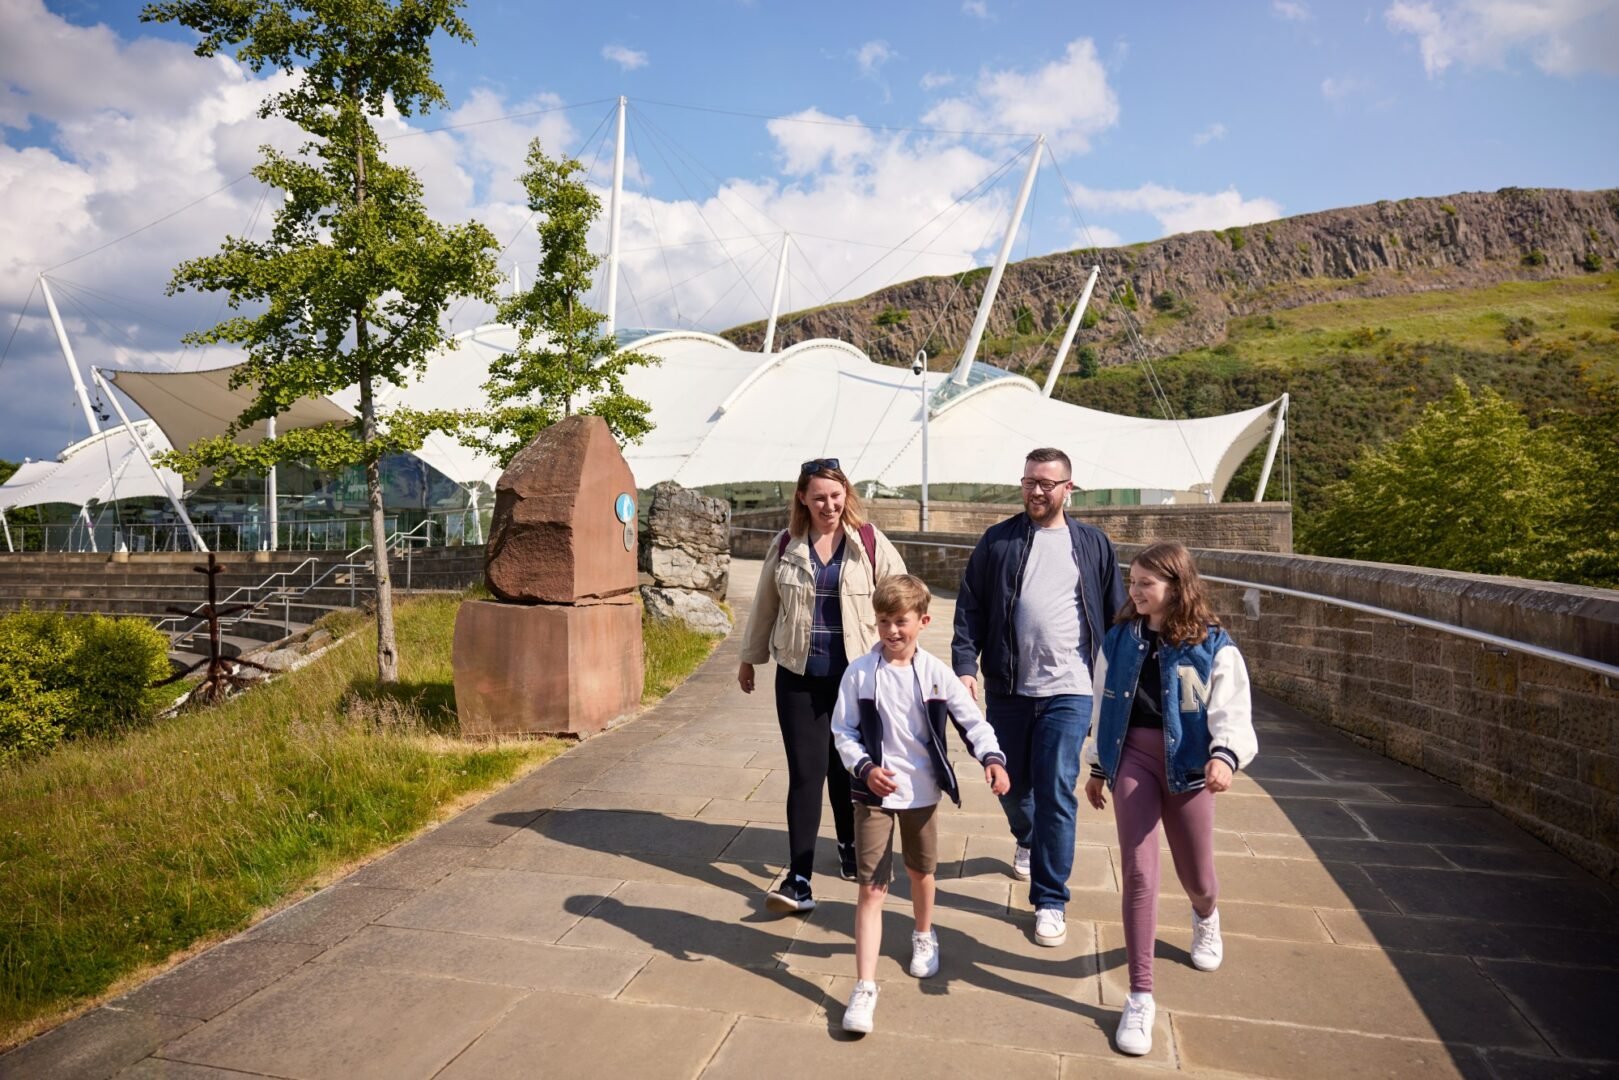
(853, 515)
(1189, 617)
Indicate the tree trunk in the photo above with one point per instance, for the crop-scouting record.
(387, 645)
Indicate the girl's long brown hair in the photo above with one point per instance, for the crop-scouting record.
(1189, 617)
(853, 514)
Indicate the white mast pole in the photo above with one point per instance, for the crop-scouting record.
(775, 296)
(271, 499)
(922, 365)
(517, 279)
(1270, 451)
(140, 444)
(67, 354)
(6, 525)
(970, 352)
(613, 211)
(1073, 328)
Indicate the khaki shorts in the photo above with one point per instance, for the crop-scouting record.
(874, 841)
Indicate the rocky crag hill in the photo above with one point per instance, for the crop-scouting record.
(1182, 292)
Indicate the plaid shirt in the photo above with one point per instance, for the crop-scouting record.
(826, 653)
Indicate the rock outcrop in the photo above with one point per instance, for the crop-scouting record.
(1185, 288)
(688, 556)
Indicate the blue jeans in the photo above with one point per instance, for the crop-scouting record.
(1041, 738)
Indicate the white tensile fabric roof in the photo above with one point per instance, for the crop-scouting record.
(727, 416)
(193, 405)
(102, 468)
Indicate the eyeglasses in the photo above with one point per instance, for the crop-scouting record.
(1046, 486)
(817, 465)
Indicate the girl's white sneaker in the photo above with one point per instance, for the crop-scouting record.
(924, 954)
(1208, 949)
(1134, 1034)
(857, 1015)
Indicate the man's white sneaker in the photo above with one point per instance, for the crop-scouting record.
(857, 1015)
(1207, 947)
(1134, 1034)
(924, 954)
(1020, 863)
(1050, 927)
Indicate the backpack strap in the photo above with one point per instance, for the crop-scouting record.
(868, 540)
(781, 543)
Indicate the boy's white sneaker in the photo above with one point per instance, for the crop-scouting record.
(1208, 949)
(1134, 1034)
(1050, 927)
(925, 954)
(857, 1015)
(1020, 863)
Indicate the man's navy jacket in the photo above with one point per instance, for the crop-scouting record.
(989, 593)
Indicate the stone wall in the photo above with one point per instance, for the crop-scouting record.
(1233, 526)
(1536, 738)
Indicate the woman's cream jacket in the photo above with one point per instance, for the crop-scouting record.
(779, 624)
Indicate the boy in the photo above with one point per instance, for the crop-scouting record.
(889, 729)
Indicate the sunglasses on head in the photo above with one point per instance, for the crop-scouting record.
(817, 465)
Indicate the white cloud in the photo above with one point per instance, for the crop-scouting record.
(1561, 37)
(1181, 211)
(1099, 236)
(626, 58)
(976, 8)
(1337, 88)
(1290, 11)
(932, 80)
(1069, 100)
(871, 57)
(1213, 133)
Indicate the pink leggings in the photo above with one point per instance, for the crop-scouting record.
(1141, 799)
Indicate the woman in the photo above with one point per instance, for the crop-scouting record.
(812, 614)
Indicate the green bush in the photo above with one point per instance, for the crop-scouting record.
(892, 316)
(1518, 329)
(1085, 362)
(1024, 319)
(1536, 257)
(1592, 263)
(63, 676)
(1091, 317)
(1447, 208)
(1129, 297)
(1236, 239)
(1163, 301)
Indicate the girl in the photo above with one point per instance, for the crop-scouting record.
(1171, 726)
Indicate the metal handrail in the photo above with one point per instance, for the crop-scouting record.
(1483, 638)
(395, 537)
(282, 592)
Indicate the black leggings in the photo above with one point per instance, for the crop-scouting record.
(804, 710)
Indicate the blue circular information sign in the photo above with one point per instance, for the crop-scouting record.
(624, 507)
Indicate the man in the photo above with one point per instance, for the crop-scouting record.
(1038, 593)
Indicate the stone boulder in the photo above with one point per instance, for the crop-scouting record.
(556, 536)
(697, 610)
(688, 543)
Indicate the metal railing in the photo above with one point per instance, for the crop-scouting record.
(1483, 638)
(455, 527)
(274, 588)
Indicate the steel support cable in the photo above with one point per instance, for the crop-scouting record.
(763, 255)
(149, 224)
(837, 123)
(657, 234)
(972, 193)
(639, 314)
(758, 242)
(658, 139)
(1146, 361)
(497, 119)
(22, 313)
(521, 229)
(224, 298)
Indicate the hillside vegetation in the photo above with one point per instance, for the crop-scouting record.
(1363, 315)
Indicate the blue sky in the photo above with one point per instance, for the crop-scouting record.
(1163, 117)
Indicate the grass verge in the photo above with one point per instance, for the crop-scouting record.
(119, 853)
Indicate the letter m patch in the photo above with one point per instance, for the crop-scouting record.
(1194, 691)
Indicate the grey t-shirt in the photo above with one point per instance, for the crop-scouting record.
(1053, 650)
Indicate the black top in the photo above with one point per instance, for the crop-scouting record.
(826, 653)
(1146, 710)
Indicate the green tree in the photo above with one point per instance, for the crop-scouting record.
(564, 361)
(351, 286)
(1470, 487)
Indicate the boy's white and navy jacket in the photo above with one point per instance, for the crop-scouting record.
(857, 725)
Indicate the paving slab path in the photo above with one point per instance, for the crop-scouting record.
(603, 917)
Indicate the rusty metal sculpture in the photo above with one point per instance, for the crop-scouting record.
(223, 671)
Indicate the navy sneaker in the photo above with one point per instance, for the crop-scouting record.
(793, 894)
(848, 869)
